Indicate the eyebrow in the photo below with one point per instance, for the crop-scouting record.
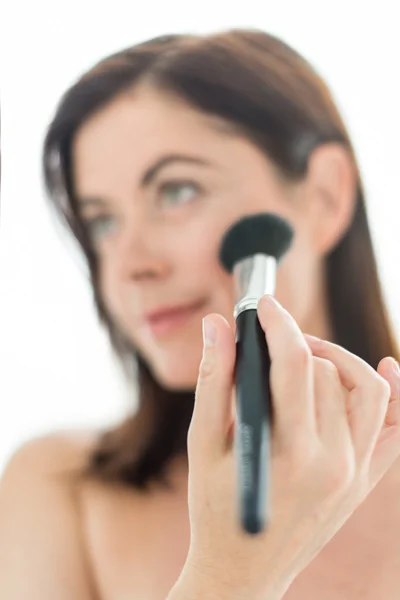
(151, 173)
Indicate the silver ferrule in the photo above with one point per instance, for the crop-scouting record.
(254, 277)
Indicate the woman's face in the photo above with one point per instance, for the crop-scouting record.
(159, 183)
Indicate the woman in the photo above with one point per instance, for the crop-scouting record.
(244, 123)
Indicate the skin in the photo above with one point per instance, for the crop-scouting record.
(159, 246)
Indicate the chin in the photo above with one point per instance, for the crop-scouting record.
(177, 384)
(179, 379)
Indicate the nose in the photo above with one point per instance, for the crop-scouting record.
(142, 254)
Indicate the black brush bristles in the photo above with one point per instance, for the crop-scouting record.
(261, 233)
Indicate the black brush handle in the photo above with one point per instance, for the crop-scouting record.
(254, 412)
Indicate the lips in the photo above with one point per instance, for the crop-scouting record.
(167, 320)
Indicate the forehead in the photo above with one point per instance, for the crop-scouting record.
(145, 118)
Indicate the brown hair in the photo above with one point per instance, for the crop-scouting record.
(270, 93)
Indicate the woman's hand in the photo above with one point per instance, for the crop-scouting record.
(336, 433)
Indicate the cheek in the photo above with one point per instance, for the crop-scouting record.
(198, 255)
(296, 280)
(200, 275)
(199, 265)
(111, 289)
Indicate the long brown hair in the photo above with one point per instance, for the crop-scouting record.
(271, 94)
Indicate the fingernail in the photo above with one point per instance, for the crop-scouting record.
(314, 342)
(395, 366)
(209, 333)
(270, 300)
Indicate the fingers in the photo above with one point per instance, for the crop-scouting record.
(212, 413)
(353, 371)
(367, 398)
(387, 448)
(291, 376)
(389, 370)
(330, 404)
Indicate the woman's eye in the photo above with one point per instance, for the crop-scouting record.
(178, 192)
(99, 227)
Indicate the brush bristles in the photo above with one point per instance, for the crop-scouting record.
(262, 233)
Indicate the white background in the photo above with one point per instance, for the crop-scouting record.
(56, 368)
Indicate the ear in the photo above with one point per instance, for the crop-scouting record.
(330, 195)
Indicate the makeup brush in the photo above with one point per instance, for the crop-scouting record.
(251, 251)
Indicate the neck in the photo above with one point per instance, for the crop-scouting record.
(317, 321)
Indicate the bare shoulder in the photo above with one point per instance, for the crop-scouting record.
(56, 452)
(40, 520)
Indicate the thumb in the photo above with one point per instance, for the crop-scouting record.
(212, 413)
